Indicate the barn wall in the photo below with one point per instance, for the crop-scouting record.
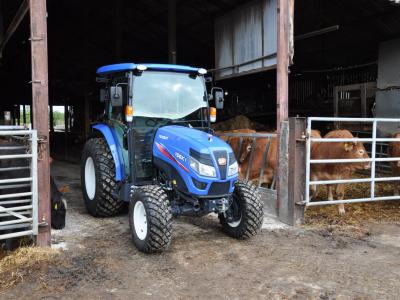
(315, 89)
(255, 95)
(244, 36)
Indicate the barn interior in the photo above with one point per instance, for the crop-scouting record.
(336, 43)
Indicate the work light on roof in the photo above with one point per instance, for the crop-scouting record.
(141, 67)
(202, 71)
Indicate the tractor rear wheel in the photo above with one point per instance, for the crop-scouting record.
(150, 219)
(98, 179)
(245, 215)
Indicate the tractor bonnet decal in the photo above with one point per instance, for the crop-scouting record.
(164, 151)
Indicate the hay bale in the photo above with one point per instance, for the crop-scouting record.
(260, 127)
(14, 266)
(238, 122)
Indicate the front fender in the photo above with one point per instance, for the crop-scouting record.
(114, 146)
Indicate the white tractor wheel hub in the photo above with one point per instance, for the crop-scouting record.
(140, 220)
(90, 178)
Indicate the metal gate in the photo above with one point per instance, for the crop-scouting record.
(18, 182)
(374, 140)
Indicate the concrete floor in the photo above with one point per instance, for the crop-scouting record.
(101, 261)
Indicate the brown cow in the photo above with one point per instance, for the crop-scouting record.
(239, 149)
(255, 166)
(316, 134)
(337, 171)
(394, 151)
(270, 163)
(242, 152)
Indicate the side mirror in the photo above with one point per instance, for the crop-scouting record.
(116, 95)
(218, 95)
(103, 95)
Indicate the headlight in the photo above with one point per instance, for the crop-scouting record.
(233, 169)
(202, 169)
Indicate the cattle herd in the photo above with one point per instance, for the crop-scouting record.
(265, 150)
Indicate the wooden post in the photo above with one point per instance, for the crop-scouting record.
(172, 32)
(290, 211)
(283, 62)
(283, 172)
(40, 102)
(282, 80)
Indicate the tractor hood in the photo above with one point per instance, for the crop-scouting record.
(183, 138)
(173, 148)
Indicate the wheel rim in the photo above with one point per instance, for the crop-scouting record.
(90, 178)
(236, 212)
(140, 220)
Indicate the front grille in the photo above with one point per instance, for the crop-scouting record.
(200, 185)
(219, 188)
(222, 169)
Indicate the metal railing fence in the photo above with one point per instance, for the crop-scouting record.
(373, 160)
(18, 182)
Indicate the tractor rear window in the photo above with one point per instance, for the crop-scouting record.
(167, 95)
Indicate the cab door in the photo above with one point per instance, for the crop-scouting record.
(118, 100)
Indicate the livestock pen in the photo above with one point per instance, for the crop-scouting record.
(370, 195)
(373, 179)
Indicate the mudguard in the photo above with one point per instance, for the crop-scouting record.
(113, 145)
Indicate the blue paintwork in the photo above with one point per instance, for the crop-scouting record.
(115, 149)
(177, 140)
(155, 67)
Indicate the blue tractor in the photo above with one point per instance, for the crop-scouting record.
(153, 148)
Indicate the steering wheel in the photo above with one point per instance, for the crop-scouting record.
(150, 122)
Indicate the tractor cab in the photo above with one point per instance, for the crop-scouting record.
(154, 149)
(140, 98)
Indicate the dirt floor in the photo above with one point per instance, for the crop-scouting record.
(99, 261)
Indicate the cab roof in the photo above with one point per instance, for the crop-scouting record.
(155, 67)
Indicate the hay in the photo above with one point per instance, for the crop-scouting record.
(238, 122)
(358, 215)
(15, 266)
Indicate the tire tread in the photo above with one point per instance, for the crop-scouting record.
(160, 217)
(253, 212)
(107, 204)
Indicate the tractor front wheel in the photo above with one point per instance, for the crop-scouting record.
(150, 219)
(98, 179)
(244, 217)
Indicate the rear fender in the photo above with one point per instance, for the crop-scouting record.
(114, 146)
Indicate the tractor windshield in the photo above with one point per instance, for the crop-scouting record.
(168, 95)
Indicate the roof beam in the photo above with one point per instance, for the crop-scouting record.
(16, 21)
